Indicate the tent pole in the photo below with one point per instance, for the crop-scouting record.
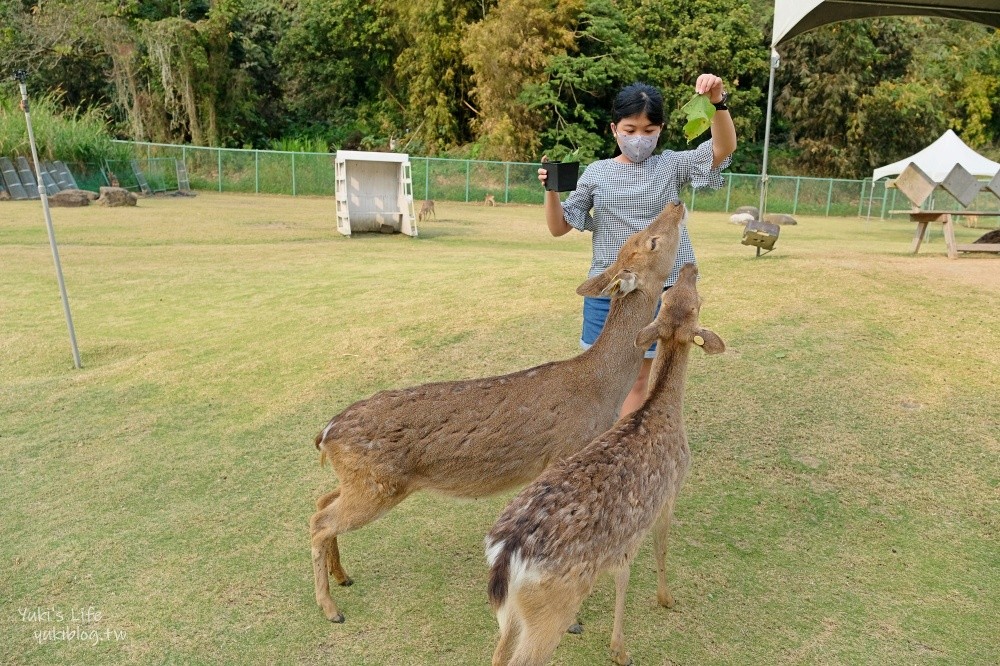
(48, 219)
(775, 63)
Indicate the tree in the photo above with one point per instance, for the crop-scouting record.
(690, 37)
(581, 84)
(431, 73)
(508, 51)
(825, 75)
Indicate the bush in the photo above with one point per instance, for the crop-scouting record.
(70, 136)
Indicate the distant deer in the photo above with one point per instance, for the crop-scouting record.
(972, 221)
(588, 513)
(478, 437)
(426, 210)
(489, 201)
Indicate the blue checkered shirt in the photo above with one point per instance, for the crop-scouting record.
(613, 200)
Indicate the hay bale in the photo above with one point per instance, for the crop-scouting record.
(748, 210)
(117, 196)
(70, 199)
(741, 219)
(779, 218)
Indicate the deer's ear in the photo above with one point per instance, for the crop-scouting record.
(647, 336)
(623, 283)
(709, 341)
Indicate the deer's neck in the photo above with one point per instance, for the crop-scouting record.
(667, 378)
(616, 343)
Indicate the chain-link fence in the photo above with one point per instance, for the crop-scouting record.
(280, 172)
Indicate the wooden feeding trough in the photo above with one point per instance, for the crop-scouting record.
(917, 186)
(374, 193)
(761, 235)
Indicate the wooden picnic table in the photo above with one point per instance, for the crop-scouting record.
(924, 217)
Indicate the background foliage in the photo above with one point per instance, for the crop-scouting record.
(501, 79)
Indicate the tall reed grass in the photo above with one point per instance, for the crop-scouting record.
(67, 135)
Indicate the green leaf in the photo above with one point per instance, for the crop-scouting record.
(699, 111)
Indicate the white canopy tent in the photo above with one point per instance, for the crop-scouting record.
(938, 159)
(793, 17)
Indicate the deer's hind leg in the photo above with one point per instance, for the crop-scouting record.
(347, 510)
(546, 607)
(333, 553)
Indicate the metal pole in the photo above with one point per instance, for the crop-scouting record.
(427, 178)
(293, 174)
(729, 189)
(468, 171)
(219, 153)
(798, 186)
(506, 183)
(775, 63)
(256, 172)
(829, 198)
(21, 77)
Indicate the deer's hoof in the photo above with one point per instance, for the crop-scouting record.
(337, 619)
(347, 582)
(575, 628)
(622, 658)
(666, 600)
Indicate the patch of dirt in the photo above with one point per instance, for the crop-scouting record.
(971, 270)
(990, 237)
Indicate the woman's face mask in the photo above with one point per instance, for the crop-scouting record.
(637, 147)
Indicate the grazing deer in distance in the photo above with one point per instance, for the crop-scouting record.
(588, 513)
(426, 210)
(490, 201)
(478, 437)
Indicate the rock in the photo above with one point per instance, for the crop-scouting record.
(71, 198)
(741, 219)
(117, 196)
(748, 210)
(991, 237)
(778, 218)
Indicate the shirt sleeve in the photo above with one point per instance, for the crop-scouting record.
(695, 167)
(579, 204)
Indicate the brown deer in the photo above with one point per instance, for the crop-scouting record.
(426, 210)
(490, 200)
(478, 437)
(588, 513)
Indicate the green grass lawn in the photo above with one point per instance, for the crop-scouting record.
(842, 508)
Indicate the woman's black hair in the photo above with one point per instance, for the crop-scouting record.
(638, 98)
(635, 99)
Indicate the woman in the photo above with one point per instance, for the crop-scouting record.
(619, 196)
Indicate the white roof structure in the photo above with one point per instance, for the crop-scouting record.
(793, 17)
(938, 159)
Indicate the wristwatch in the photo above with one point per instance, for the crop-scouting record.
(721, 104)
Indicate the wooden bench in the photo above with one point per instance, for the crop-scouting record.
(924, 217)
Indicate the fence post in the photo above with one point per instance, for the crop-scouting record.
(427, 178)
(795, 203)
(861, 199)
(693, 190)
(729, 189)
(219, 152)
(506, 183)
(256, 172)
(885, 198)
(829, 198)
(293, 174)
(468, 173)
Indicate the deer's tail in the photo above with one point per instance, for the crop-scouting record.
(499, 555)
